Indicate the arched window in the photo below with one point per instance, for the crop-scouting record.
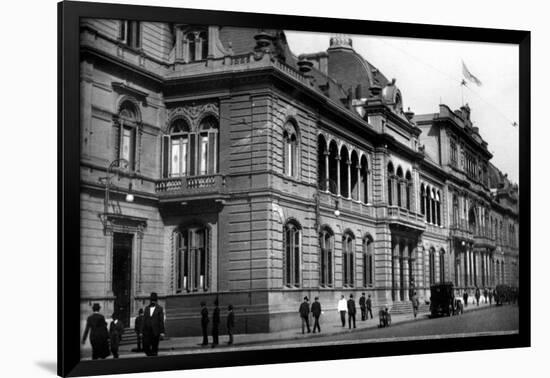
(438, 207)
(322, 160)
(326, 243)
(432, 265)
(334, 160)
(434, 206)
(442, 265)
(391, 179)
(347, 259)
(127, 133)
(408, 189)
(292, 239)
(399, 191)
(204, 45)
(208, 146)
(455, 210)
(290, 148)
(191, 47)
(344, 172)
(364, 180)
(423, 199)
(355, 174)
(192, 259)
(189, 153)
(368, 261)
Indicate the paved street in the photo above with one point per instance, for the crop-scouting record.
(475, 321)
(493, 319)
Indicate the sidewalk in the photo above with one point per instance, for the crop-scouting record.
(330, 325)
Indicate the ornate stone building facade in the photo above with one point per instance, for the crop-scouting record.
(259, 177)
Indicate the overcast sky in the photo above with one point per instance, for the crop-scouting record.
(429, 72)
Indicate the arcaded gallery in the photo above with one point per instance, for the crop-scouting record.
(217, 164)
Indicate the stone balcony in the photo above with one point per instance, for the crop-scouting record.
(404, 217)
(188, 188)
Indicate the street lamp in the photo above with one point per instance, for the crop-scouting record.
(107, 180)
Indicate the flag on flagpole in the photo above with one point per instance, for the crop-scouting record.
(468, 75)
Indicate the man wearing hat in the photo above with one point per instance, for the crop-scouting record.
(99, 336)
(351, 311)
(304, 314)
(153, 326)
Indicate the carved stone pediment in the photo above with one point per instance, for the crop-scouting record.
(193, 113)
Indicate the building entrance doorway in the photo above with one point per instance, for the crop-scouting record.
(122, 275)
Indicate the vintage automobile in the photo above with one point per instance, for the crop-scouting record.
(442, 299)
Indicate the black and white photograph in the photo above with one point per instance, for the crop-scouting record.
(248, 188)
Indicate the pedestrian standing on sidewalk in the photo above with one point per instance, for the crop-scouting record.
(153, 326)
(230, 323)
(485, 294)
(363, 306)
(204, 323)
(490, 296)
(351, 311)
(116, 329)
(316, 312)
(342, 308)
(304, 314)
(215, 324)
(477, 295)
(138, 325)
(465, 297)
(415, 304)
(99, 335)
(369, 307)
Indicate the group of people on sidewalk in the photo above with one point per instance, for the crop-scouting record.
(230, 324)
(488, 295)
(149, 327)
(343, 307)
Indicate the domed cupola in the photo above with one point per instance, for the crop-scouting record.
(341, 41)
(392, 96)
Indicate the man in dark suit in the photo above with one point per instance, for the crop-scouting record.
(230, 323)
(153, 326)
(138, 324)
(369, 307)
(116, 329)
(316, 312)
(363, 306)
(304, 314)
(215, 324)
(204, 323)
(351, 311)
(99, 335)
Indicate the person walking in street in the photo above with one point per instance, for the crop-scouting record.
(316, 312)
(363, 306)
(138, 324)
(342, 308)
(116, 329)
(477, 295)
(204, 323)
(490, 294)
(96, 326)
(465, 297)
(153, 326)
(369, 307)
(485, 294)
(215, 324)
(351, 311)
(304, 314)
(415, 304)
(230, 323)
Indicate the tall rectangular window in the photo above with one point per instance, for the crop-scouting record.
(204, 155)
(127, 147)
(130, 33)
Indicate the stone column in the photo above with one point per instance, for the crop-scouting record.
(349, 179)
(338, 174)
(405, 267)
(327, 171)
(396, 270)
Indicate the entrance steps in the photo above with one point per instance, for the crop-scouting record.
(129, 337)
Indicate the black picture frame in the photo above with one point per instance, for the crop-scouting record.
(69, 14)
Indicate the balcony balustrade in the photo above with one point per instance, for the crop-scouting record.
(190, 186)
(404, 216)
